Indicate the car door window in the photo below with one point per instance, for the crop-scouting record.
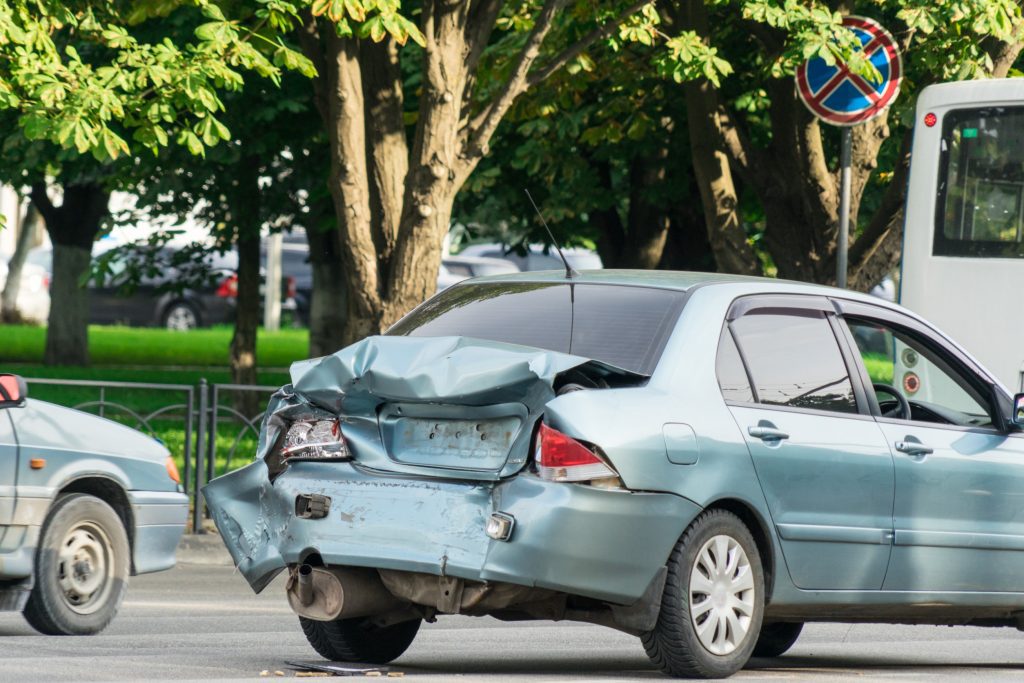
(794, 360)
(899, 362)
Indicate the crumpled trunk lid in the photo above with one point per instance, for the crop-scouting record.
(450, 407)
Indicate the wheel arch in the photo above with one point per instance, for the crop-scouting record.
(184, 299)
(114, 495)
(758, 527)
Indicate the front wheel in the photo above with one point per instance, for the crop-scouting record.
(358, 640)
(713, 601)
(81, 568)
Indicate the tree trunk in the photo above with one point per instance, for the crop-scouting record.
(648, 221)
(9, 297)
(327, 309)
(389, 268)
(687, 246)
(72, 228)
(247, 308)
(246, 214)
(67, 334)
(711, 163)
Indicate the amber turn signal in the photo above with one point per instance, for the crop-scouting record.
(37, 463)
(172, 470)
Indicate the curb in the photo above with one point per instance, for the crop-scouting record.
(205, 549)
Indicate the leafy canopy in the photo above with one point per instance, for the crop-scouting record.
(99, 77)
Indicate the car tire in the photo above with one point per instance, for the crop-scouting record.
(81, 568)
(356, 640)
(181, 316)
(776, 638)
(694, 636)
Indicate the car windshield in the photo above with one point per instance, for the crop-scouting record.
(622, 326)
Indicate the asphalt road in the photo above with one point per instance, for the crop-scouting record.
(203, 623)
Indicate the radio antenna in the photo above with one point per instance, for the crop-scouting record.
(569, 272)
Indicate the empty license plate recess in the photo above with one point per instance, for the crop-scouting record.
(459, 437)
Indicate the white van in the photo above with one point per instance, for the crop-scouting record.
(963, 245)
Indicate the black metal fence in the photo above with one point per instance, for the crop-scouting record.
(200, 424)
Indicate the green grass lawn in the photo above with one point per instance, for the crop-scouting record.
(153, 346)
(127, 354)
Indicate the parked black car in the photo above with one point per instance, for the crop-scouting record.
(152, 304)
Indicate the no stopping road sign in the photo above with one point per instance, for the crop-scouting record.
(842, 98)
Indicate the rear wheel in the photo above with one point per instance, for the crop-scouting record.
(358, 640)
(777, 638)
(181, 316)
(81, 568)
(713, 601)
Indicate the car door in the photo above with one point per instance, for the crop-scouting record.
(8, 473)
(959, 472)
(824, 467)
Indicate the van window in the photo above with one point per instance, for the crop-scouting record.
(980, 207)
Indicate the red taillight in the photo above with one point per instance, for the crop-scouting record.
(562, 458)
(46, 281)
(228, 287)
(930, 119)
(290, 290)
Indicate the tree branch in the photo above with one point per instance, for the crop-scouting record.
(743, 155)
(482, 17)
(43, 203)
(575, 50)
(891, 205)
(487, 121)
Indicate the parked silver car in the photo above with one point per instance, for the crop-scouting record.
(84, 503)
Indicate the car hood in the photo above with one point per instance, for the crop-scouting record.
(47, 424)
(382, 383)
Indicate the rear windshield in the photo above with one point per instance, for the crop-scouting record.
(622, 326)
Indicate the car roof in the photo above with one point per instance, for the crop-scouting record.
(683, 281)
(480, 260)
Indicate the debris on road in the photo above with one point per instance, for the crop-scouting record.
(343, 669)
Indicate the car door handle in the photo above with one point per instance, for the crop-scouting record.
(913, 448)
(767, 433)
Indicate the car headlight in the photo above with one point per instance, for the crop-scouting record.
(315, 439)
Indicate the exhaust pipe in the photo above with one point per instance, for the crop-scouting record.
(330, 593)
(304, 585)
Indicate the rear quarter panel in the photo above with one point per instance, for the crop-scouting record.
(637, 427)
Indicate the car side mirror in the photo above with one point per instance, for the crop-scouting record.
(1017, 417)
(13, 391)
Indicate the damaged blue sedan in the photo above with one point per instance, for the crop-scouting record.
(707, 462)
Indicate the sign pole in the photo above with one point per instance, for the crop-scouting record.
(840, 97)
(843, 242)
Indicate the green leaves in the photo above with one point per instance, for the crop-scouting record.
(373, 19)
(90, 76)
(688, 58)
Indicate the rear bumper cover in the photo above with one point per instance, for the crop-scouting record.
(576, 539)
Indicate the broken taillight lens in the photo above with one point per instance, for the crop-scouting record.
(562, 458)
(315, 439)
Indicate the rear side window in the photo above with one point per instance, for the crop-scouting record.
(732, 377)
(622, 326)
(794, 361)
